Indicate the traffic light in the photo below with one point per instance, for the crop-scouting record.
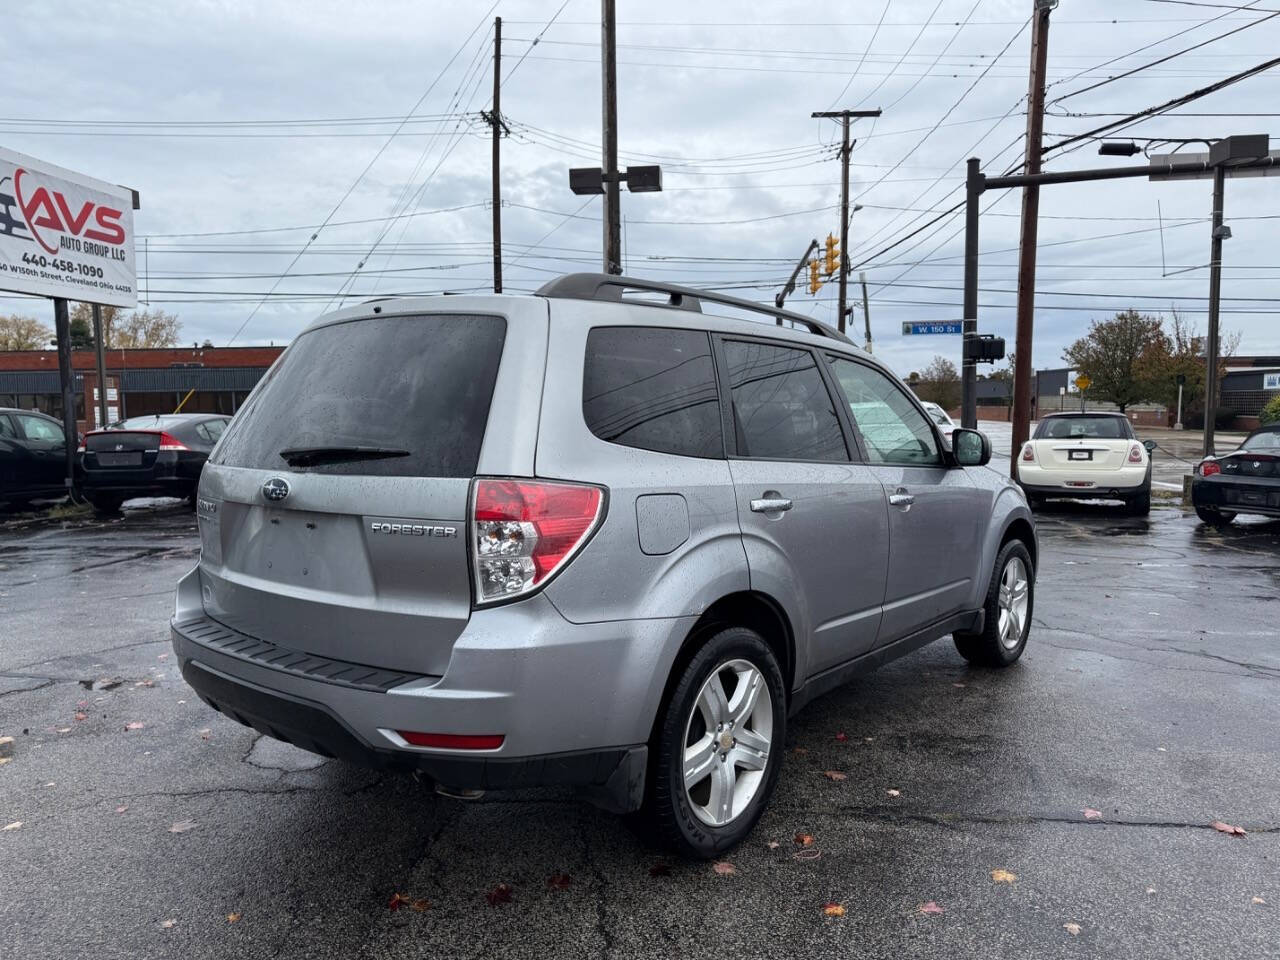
(814, 282)
(833, 255)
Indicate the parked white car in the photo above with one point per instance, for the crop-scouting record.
(1087, 456)
(939, 416)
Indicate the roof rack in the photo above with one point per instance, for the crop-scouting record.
(608, 286)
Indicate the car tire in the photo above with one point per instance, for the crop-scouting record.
(1140, 506)
(105, 505)
(682, 815)
(1001, 641)
(1215, 517)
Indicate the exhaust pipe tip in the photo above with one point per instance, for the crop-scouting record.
(458, 793)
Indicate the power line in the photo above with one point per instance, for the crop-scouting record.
(863, 59)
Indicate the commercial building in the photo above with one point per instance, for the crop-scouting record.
(139, 382)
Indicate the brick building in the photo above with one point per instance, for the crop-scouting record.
(147, 381)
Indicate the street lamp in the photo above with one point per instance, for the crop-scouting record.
(585, 181)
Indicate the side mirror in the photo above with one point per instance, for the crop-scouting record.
(970, 448)
(1149, 444)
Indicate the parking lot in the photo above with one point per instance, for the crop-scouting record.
(139, 823)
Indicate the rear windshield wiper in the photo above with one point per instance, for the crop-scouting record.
(311, 456)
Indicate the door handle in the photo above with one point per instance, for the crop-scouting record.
(900, 498)
(771, 505)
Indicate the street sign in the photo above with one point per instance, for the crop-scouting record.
(65, 235)
(1082, 382)
(1160, 163)
(925, 328)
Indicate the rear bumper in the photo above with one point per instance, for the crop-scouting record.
(1259, 496)
(1120, 484)
(575, 703)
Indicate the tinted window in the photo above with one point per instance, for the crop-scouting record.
(781, 407)
(892, 429)
(38, 428)
(1069, 428)
(421, 384)
(7, 429)
(215, 428)
(653, 389)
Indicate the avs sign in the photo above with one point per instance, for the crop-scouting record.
(65, 235)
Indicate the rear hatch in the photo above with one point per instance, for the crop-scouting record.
(1083, 454)
(122, 450)
(333, 510)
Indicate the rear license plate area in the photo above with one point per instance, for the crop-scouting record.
(1079, 454)
(128, 459)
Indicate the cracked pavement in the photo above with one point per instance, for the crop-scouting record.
(1147, 693)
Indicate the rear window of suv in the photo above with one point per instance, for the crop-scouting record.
(416, 383)
(654, 389)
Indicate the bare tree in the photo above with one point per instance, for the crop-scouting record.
(143, 328)
(23, 333)
(939, 383)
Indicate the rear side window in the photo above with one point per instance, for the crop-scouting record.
(654, 389)
(781, 407)
(421, 384)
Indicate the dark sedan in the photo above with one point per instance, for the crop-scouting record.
(1244, 481)
(33, 454)
(159, 456)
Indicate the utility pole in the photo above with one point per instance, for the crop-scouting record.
(612, 184)
(494, 119)
(844, 116)
(1026, 303)
(1215, 297)
(866, 310)
(100, 348)
(62, 325)
(790, 286)
(974, 185)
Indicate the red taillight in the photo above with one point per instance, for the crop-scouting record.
(1028, 453)
(523, 531)
(1135, 453)
(1208, 468)
(452, 741)
(169, 442)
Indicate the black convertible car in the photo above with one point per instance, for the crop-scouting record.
(159, 456)
(1244, 481)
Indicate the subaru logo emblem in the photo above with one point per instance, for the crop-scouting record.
(275, 489)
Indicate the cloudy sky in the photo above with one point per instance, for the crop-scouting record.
(245, 125)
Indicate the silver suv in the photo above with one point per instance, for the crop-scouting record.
(593, 537)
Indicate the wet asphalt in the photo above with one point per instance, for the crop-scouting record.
(1147, 694)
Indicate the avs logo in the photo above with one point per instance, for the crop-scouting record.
(11, 222)
(47, 213)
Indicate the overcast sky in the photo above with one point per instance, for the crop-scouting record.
(247, 122)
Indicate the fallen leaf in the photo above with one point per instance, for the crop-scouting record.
(4, 760)
(134, 725)
(499, 894)
(660, 870)
(959, 686)
(724, 868)
(558, 881)
(930, 908)
(145, 682)
(1258, 900)
(1072, 928)
(111, 685)
(804, 839)
(1091, 814)
(894, 793)
(842, 737)
(1151, 889)
(835, 775)
(1163, 749)
(204, 734)
(121, 809)
(397, 901)
(14, 826)
(810, 853)
(163, 656)
(169, 924)
(233, 918)
(419, 905)
(64, 729)
(1228, 828)
(802, 750)
(81, 715)
(182, 826)
(833, 910)
(1000, 875)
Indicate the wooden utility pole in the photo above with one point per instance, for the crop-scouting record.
(62, 326)
(1026, 303)
(494, 117)
(1215, 299)
(844, 116)
(612, 184)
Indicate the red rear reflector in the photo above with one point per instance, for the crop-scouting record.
(1209, 468)
(525, 530)
(453, 741)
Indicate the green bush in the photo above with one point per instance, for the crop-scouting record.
(1271, 412)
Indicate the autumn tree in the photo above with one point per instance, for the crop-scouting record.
(1110, 355)
(23, 333)
(1181, 352)
(939, 383)
(143, 328)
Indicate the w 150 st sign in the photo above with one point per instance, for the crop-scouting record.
(65, 235)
